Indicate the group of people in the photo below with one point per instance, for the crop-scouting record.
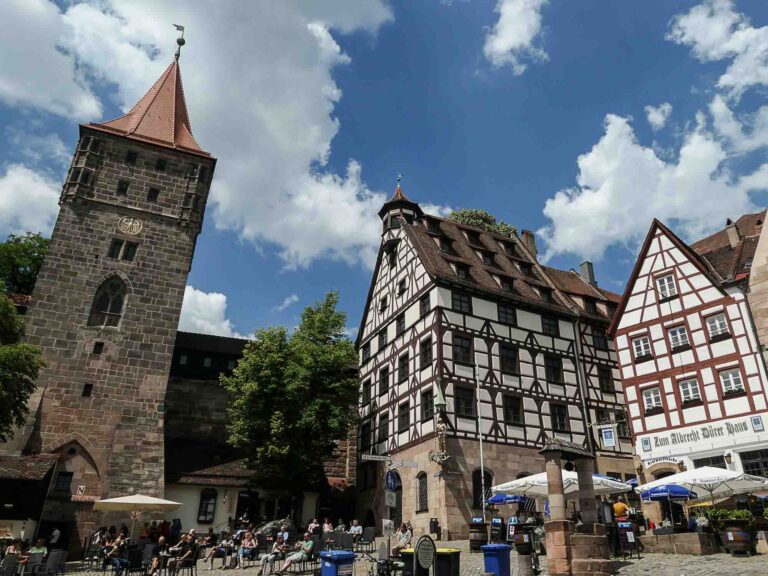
(114, 551)
(315, 528)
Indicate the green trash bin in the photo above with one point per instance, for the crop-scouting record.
(447, 562)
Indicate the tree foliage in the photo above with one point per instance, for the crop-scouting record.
(20, 260)
(481, 219)
(293, 396)
(19, 365)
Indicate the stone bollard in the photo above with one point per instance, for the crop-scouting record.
(524, 566)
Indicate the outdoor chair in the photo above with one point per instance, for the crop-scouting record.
(190, 564)
(33, 563)
(347, 541)
(56, 564)
(367, 542)
(136, 560)
(10, 565)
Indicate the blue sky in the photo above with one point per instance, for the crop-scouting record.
(580, 120)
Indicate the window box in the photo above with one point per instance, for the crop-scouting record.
(720, 337)
(734, 393)
(681, 348)
(668, 298)
(644, 358)
(693, 402)
(653, 411)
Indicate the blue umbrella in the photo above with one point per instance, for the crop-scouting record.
(668, 492)
(505, 499)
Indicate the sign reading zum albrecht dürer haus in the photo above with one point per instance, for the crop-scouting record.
(734, 433)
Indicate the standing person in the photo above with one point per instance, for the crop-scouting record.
(620, 508)
(53, 541)
(302, 555)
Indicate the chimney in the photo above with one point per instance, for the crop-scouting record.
(733, 233)
(529, 241)
(587, 273)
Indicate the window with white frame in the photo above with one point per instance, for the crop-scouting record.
(642, 346)
(716, 325)
(678, 337)
(731, 380)
(666, 285)
(689, 390)
(652, 398)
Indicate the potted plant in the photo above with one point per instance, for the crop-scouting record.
(702, 524)
(736, 529)
(664, 527)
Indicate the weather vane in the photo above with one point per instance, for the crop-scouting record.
(180, 41)
(399, 177)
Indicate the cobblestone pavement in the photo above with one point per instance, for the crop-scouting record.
(649, 565)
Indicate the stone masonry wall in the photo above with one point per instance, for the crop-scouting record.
(120, 425)
(758, 288)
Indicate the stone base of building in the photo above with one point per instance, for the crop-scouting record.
(577, 553)
(695, 543)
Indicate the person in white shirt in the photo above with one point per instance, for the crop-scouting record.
(54, 539)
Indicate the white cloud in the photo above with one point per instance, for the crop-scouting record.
(35, 72)
(28, 201)
(287, 301)
(714, 31)
(732, 130)
(206, 313)
(511, 42)
(38, 149)
(622, 186)
(658, 115)
(259, 87)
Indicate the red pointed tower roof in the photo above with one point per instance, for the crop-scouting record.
(160, 117)
(399, 200)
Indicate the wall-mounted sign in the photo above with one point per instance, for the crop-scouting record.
(608, 436)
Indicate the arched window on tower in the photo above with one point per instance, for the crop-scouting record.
(423, 500)
(108, 303)
(207, 510)
(477, 487)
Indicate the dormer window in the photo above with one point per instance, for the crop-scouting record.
(507, 284)
(590, 306)
(525, 268)
(445, 246)
(462, 271)
(487, 258)
(509, 249)
(546, 294)
(473, 237)
(666, 286)
(433, 226)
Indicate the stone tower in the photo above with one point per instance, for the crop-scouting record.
(107, 302)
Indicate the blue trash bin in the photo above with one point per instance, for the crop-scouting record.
(496, 558)
(337, 563)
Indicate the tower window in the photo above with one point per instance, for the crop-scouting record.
(108, 303)
(87, 390)
(122, 187)
(394, 222)
(90, 144)
(122, 250)
(161, 164)
(183, 359)
(131, 157)
(98, 347)
(207, 362)
(153, 194)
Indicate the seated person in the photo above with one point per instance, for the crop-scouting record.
(39, 547)
(222, 550)
(283, 532)
(341, 527)
(356, 530)
(268, 560)
(327, 526)
(118, 555)
(402, 539)
(158, 551)
(314, 527)
(303, 553)
(184, 554)
(248, 549)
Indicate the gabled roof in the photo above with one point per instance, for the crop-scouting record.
(732, 263)
(399, 200)
(696, 259)
(233, 474)
(160, 117)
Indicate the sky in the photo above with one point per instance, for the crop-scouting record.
(581, 121)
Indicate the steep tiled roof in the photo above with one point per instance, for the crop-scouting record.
(732, 262)
(458, 249)
(30, 468)
(160, 117)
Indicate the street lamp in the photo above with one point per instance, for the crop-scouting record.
(728, 457)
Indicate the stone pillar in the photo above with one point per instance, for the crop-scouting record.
(585, 467)
(555, 486)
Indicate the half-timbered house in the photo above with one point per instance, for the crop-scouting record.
(466, 344)
(692, 367)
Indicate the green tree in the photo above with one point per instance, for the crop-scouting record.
(481, 219)
(293, 396)
(20, 261)
(19, 365)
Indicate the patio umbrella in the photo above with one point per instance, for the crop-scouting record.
(499, 499)
(716, 481)
(535, 486)
(668, 492)
(135, 504)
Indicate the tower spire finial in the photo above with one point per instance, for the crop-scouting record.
(180, 41)
(399, 177)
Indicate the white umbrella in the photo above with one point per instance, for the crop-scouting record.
(716, 481)
(536, 485)
(135, 504)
